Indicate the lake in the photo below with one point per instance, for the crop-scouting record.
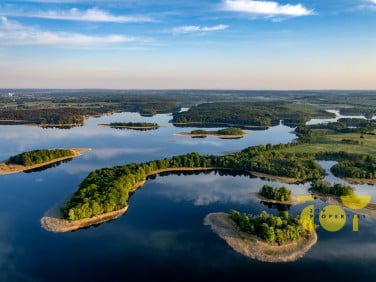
(162, 236)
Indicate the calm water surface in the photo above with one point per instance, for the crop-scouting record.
(162, 236)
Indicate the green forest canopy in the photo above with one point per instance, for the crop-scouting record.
(38, 156)
(279, 194)
(273, 229)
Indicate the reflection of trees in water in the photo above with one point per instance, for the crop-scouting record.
(45, 167)
(221, 172)
(137, 129)
(61, 126)
(279, 207)
(216, 125)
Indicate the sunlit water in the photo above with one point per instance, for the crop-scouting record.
(162, 236)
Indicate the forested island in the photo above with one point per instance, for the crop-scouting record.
(37, 158)
(108, 190)
(132, 125)
(350, 142)
(245, 115)
(343, 195)
(263, 237)
(225, 133)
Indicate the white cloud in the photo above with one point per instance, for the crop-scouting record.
(90, 15)
(13, 33)
(196, 28)
(266, 8)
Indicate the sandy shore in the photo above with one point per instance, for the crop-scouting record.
(222, 136)
(277, 178)
(253, 247)
(13, 168)
(360, 180)
(54, 222)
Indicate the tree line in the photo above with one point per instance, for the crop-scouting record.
(135, 124)
(38, 156)
(273, 229)
(224, 131)
(273, 193)
(109, 189)
(324, 187)
(248, 113)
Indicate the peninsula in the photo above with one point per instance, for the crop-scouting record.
(38, 158)
(263, 237)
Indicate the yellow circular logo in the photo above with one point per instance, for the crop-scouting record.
(307, 218)
(332, 218)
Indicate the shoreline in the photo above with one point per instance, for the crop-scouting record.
(56, 224)
(131, 127)
(14, 168)
(352, 180)
(222, 136)
(293, 201)
(253, 247)
(223, 124)
(60, 225)
(368, 210)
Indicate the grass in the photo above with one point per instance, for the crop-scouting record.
(332, 142)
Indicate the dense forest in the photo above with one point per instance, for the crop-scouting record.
(324, 187)
(273, 229)
(38, 156)
(279, 194)
(359, 166)
(108, 189)
(250, 114)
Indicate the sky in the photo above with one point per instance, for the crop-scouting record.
(174, 44)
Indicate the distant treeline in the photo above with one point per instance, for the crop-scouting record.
(364, 111)
(134, 124)
(108, 189)
(224, 131)
(273, 229)
(348, 125)
(247, 113)
(38, 156)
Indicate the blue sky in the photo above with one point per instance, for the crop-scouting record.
(207, 44)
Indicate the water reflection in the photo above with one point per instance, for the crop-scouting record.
(45, 167)
(279, 207)
(217, 186)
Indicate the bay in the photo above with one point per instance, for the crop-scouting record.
(162, 236)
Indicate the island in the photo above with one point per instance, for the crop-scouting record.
(132, 125)
(108, 190)
(226, 133)
(344, 196)
(279, 196)
(263, 237)
(38, 158)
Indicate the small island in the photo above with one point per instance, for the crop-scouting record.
(132, 125)
(263, 237)
(344, 196)
(38, 158)
(226, 133)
